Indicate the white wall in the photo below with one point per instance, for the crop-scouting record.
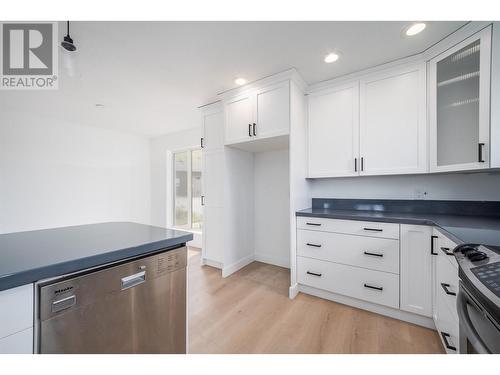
(57, 174)
(272, 207)
(472, 186)
(161, 175)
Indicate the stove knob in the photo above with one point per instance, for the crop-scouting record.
(476, 256)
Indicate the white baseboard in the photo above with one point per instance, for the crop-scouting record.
(274, 260)
(293, 291)
(232, 268)
(211, 263)
(373, 307)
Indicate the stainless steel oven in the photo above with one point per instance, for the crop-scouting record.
(137, 306)
(479, 331)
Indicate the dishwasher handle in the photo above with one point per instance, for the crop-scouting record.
(133, 280)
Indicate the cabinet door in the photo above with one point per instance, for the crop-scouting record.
(333, 132)
(393, 131)
(18, 343)
(272, 111)
(213, 178)
(213, 211)
(459, 102)
(416, 269)
(239, 118)
(213, 236)
(213, 130)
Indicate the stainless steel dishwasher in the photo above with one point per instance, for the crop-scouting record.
(134, 307)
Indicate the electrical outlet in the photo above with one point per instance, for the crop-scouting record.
(419, 193)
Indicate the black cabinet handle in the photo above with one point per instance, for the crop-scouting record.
(254, 131)
(313, 273)
(201, 143)
(480, 153)
(362, 164)
(373, 229)
(312, 244)
(446, 343)
(445, 288)
(314, 224)
(432, 245)
(202, 200)
(355, 164)
(373, 287)
(249, 130)
(374, 254)
(447, 251)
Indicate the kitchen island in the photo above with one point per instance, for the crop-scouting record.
(26, 258)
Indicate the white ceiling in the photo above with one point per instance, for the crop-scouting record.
(151, 76)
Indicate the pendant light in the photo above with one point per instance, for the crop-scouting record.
(67, 43)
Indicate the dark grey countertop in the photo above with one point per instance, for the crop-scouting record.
(26, 257)
(461, 229)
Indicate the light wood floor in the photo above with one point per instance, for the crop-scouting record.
(250, 312)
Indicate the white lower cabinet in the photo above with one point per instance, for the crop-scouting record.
(16, 320)
(380, 254)
(445, 290)
(416, 269)
(368, 285)
(18, 343)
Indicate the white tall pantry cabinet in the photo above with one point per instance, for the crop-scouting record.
(212, 121)
(253, 148)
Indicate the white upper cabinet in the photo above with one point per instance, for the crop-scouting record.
(459, 102)
(334, 132)
(393, 130)
(272, 111)
(239, 118)
(213, 131)
(260, 113)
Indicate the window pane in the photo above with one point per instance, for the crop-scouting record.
(197, 211)
(181, 189)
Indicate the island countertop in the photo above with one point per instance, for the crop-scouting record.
(26, 257)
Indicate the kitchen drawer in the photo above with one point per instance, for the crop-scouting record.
(447, 325)
(360, 228)
(379, 254)
(18, 343)
(350, 281)
(447, 279)
(446, 246)
(16, 312)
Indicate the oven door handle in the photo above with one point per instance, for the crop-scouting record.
(467, 325)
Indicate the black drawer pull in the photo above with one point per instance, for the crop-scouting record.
(315, 224)
(313, 273)
(374, 254)
(249, 130)
(432, 245)
(447, 251)
(374, 287)
(373, 229)
(313, 244)
(254, 132)
(445, 288)
(446, 343)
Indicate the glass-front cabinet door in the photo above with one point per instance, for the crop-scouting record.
(460, 106)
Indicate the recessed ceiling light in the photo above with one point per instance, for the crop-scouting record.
(415, 28)
(331, 57)
(240, 81)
